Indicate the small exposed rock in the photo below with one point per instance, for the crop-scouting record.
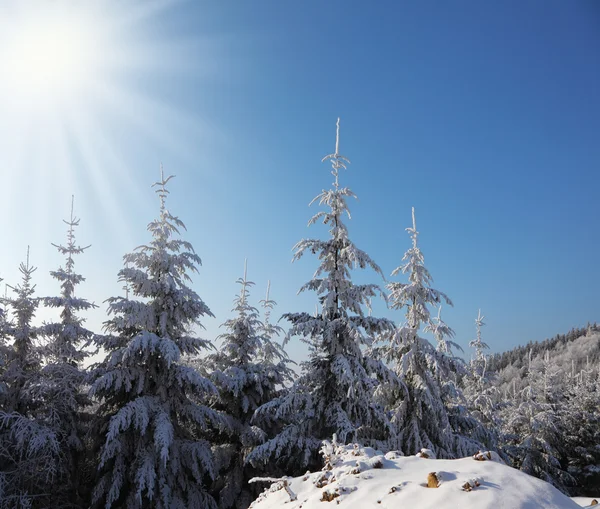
(376, 462)
(433, 480)
(482, 456)
(488, 456)
(426, 453)
(471, 484)
(330, 495)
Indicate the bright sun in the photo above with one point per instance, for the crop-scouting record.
(80, 95)
(49, 57)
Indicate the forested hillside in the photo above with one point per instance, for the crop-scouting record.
(166, 419)
(519, 355)
(547, 397)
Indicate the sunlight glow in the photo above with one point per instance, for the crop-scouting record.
(49, 59)
(80, 106)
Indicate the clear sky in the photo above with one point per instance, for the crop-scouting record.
(484, 116)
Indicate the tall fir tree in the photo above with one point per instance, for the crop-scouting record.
(334, 394)
(152, 405)
(23, 359)
(247, 377)
(480, 393)
(469, 435)
(419, 415)
(63, 376)
(29, 449)
(479, 361)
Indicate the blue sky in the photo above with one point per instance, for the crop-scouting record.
(484, 116)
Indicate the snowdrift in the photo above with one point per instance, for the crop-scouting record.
(362, 478)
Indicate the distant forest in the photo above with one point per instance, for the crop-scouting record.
(518, 356)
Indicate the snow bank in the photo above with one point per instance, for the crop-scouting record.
(587, 501)
(362, 478)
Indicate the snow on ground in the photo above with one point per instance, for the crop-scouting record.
(361, 478)
(586, 501)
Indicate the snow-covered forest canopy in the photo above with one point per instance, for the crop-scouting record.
(164, 417)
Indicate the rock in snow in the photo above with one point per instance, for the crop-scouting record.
(361, 478)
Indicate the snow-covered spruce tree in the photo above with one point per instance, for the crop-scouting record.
(152, 417)
(63, 377)
(272, 354)
(479, 362)
(581, 430)
(478, 389)
(23, 359)
(274, 359)
(246, 381)
(469, 433)
(420, 416)
(532, 437)
(334, 393)
(29, 449)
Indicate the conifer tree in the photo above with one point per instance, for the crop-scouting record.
(334, 393)
(272, 354)
(532, 436)
(420, 416)
(479, 362)
(580, 430)
(29, 449)
(154, 419)
(247, 377)
(23, 360)
(63, 376)
(478, 388)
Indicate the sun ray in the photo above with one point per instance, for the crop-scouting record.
(101, 177)
(78, 107)
(171, 129)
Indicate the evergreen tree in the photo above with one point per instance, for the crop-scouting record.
(479, 391)
(154, 454)
(479, 362)
(580, 428)
(63, 376)
(334, 393)
(246, 376)
(469, 434)
(272, 354)
(532, 437)
(23, 359)
(29, 449)
(420, 416)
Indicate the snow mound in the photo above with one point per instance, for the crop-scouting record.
(587, 501)
(362, 478)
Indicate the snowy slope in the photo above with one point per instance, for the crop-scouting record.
(587, 501)
(362, 479)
